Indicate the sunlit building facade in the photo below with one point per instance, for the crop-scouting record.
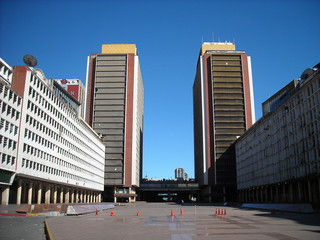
(77, 90)
(115, 98)
(48, 154)
(223, 109)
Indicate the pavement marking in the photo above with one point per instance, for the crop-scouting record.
(48, 231)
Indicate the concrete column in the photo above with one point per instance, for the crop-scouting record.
(55, 192)
(246, 195)
(5, 195)
(319, 189)
(283, 192)
(223, 191)
(271, 194)
(47, 194)
(19, 191)
(277, 193)
(81, 196)
(66, 199)
(91, 197)
(72, 196)
(266, 194)
(24, 192)
(100, 193)
(314, 191)
(261, 195)
(114, 192)
(309, 191)
(290, 193)
(77, 196)
(61, 195)
(85, 196)
(30, 193)
(39, 194)
(299, 191)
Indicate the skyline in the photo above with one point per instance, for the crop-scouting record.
(280, 36)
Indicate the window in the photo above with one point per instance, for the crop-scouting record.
(4, 107)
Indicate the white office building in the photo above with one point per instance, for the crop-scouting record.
(48, 154)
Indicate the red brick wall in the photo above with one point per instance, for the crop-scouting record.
(19, 79)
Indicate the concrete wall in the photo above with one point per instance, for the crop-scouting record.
(281, 151)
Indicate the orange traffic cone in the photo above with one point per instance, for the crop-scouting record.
(181, 211)
(216, 211)
(172, 213)
(111, 214)
(225, 212)
(138, 213)
(96, 211)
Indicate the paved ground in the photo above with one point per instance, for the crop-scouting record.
(155, 222)
(22, 228)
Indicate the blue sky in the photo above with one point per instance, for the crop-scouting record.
(282, 37)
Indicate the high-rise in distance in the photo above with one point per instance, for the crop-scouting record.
(223, 109)
(114, 108)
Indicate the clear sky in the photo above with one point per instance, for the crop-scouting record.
(282, 38)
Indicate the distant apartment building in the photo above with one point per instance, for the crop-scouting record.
(47, 154)
(278, 158)
(223, 109)
(179, 173)
(76, 88)
(115, 111)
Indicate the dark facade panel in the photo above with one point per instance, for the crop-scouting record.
(109, 112)
(98, 120)
(228, 112)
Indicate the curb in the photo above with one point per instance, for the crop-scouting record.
(14, 215)
(47, 230)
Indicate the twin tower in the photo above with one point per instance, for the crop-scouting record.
(223, 108)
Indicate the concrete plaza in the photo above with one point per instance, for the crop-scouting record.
(200, 222)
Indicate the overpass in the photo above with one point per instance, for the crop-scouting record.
(168, 190)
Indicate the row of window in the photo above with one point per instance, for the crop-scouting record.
(34, 137)
(7, 143)
(9, 110)
(8, 126)
(7, 159)
(28, 164)
(38, 83)
(11, 95)
(36, 110)
(48, 157)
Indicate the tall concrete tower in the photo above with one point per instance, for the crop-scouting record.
(115, 111)
(223, 109)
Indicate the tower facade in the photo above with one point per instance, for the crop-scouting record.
(115, 111)
(76, 88)
(223, 109)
